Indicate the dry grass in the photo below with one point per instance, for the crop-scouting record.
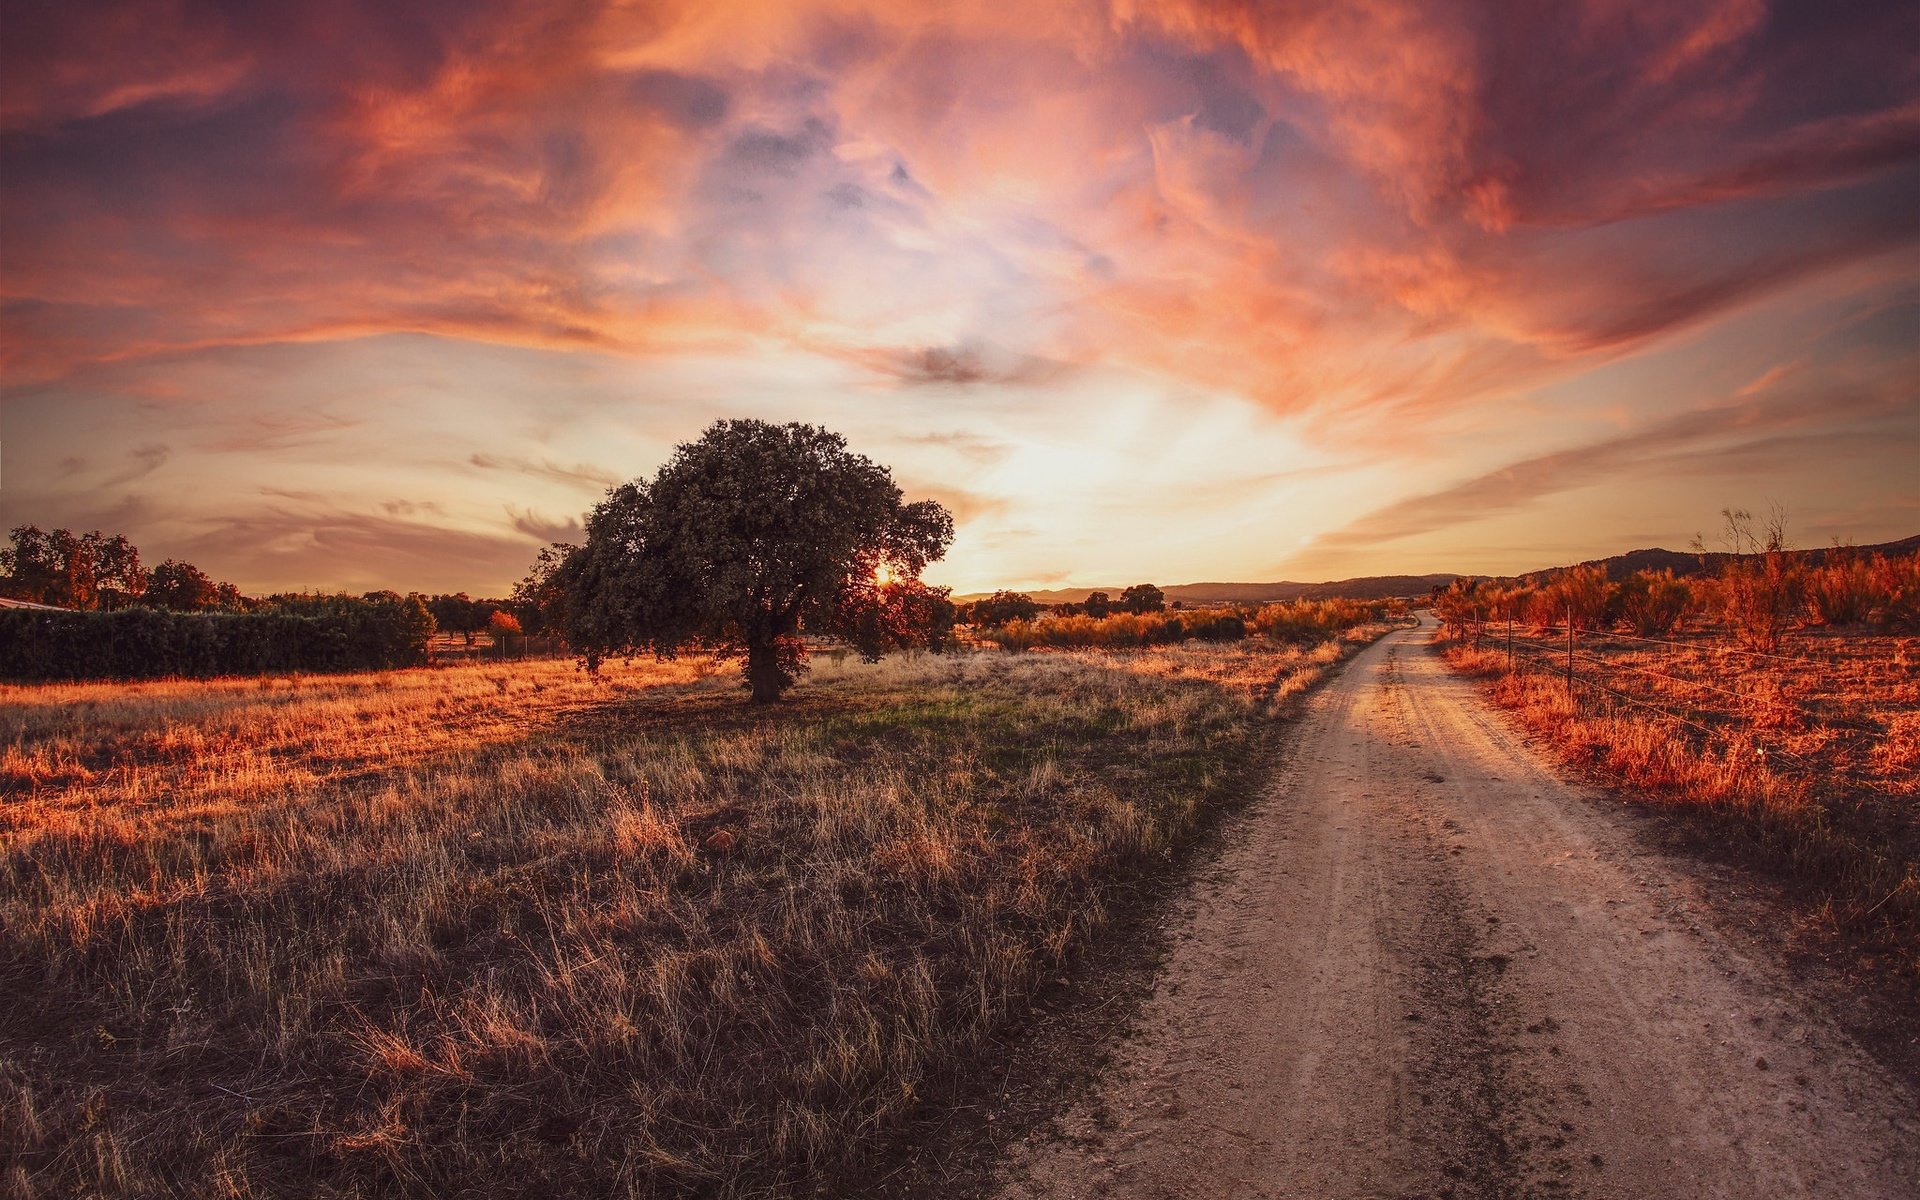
(1812, 765)
(487, 931)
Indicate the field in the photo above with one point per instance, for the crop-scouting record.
(1805, 759)
(511, 930)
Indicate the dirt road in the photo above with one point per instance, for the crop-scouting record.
(1431, 967)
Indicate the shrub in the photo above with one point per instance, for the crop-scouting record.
(1758, 594)
(1841, 590)
(1119, 631)
(1316, 620)
(1896, 589)
(1652, 602)
(1760, 586)
(1217, 627)
(1582, 595)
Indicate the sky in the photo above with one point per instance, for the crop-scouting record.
(371, 293)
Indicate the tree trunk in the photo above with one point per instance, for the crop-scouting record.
(764, 675)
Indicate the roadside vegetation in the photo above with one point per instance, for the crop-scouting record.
(1295, 621)
(536, 932)
(1778, 699)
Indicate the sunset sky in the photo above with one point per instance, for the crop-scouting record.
(383, 294)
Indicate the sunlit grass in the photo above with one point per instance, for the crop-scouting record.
(423, 931)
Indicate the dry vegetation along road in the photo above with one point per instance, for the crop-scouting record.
(1428, 966)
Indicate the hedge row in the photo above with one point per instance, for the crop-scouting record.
(145, 643)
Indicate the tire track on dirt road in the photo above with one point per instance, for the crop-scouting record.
(1428, 966)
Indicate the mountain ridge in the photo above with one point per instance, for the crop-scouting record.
(1381, 587)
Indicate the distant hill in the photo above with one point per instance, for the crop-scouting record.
(1688, 563)
(1381, 587)
(1371, 587)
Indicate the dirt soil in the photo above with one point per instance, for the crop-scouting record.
(1429, 966)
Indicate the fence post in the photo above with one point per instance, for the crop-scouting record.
(1509, 643)
(1570, 696)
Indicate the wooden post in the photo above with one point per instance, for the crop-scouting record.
(1569, 652)
(1509, 643)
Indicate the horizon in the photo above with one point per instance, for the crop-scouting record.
(350, 296)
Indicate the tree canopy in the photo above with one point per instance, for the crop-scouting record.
(71, 570)
(746, 538)
(1002, 607)
(1143, 598)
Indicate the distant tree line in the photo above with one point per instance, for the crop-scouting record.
(1004, 607)
(462, 614)
(95, 572)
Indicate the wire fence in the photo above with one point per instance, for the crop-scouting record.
(502, 649)
(1585, 662)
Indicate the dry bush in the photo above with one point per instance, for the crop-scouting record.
(1119, 631)
(1760, 583)
(1581, 595)
(1896, 593)
(480, 932)
(1651, 603)
(1505, 602)
(1115, 631)
(1313, 620)
(1759, 598)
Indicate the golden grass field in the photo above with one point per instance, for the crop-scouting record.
(509, 929)
(1807, 760)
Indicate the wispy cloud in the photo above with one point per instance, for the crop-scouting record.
(1746, 438)
(580, 475)
(543, 530)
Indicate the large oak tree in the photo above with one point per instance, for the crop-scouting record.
(748, 538)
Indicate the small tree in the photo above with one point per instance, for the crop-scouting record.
(181, 587)
(742, 541)
(1143, 598)
(1001, 608)
(1459, 605)
(1760, 585)
(1098, 604)
(502, 624)
(118, 576)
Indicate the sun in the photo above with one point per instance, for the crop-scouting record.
(884, 575)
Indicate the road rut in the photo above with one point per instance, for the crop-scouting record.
(1429, 966)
